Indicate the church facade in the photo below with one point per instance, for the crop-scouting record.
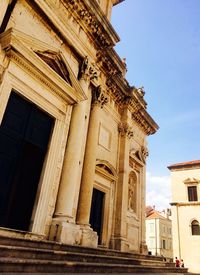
(72, 130)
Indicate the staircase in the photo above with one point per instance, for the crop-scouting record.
(26, 255)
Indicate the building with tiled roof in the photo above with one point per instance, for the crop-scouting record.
(185, 181)
(158, 233)
(185, 165)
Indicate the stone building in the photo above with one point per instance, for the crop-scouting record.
(73, 131)
(159, 233)
(185, 180)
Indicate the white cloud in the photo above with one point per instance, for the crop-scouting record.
(158, 191)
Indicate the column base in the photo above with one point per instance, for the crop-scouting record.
(119, 243)
(143, 248)
(65, 232)
(89, 237)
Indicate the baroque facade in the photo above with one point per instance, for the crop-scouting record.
(185, 181)
(73, 131)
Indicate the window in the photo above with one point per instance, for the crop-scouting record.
(195, 228)
(192, 193)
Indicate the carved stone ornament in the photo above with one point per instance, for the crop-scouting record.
(88, 70)
(4, 61)
(89, 21)
(99, 97)
(191, 181)
(141, 153)
(144, 151)
(107, 63)
(125, 130)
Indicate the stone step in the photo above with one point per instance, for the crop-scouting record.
(27, 255)
(49, 245)
(47, 254)
(45, 266)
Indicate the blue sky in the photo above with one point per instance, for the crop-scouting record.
(160, 40)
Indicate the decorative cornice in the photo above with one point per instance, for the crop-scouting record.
(110, 63)
(191, 203)
(99, 97)
(191, 181)
(116, 2)
(125, 130)
(129, 97)
(93, 21)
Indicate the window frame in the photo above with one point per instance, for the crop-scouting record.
(193, 195)
(195, 228)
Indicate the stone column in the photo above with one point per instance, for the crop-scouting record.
(126, 134)
(89, 237)
(63, 227)
(143, 245)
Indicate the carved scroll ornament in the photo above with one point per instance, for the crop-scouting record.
(125, 130)
(88, 70)
(99, 97)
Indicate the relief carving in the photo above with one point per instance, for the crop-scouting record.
(132, 192)
(141, 153)
(125, 130)
(90, 22)
(87, 70)
(99, 97)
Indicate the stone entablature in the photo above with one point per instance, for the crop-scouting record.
(93, 20)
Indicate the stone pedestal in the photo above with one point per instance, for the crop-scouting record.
(89, 237)
(143, 248)
(65, 232)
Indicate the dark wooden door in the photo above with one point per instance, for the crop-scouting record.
(24, 136)
(96, 214)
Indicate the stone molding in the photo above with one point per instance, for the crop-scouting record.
(93, 21)
(132, 99)
(125, 130)
(190, 203)
(138, 154)
(99, 97)
(4, 62)
(191, 181)
(17, 48)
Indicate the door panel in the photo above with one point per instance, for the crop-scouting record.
(24, 137)
(96, 214)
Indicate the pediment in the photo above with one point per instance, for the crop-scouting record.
(191, 181)
(48, 62)
(139, 154)
(55, 61)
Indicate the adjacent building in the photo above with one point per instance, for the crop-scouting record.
(185, 179)
(72, 129)
(159, 233)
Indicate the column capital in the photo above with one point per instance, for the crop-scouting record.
(125, 130)
(87, 70)
(144, 151)
(99, 98)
